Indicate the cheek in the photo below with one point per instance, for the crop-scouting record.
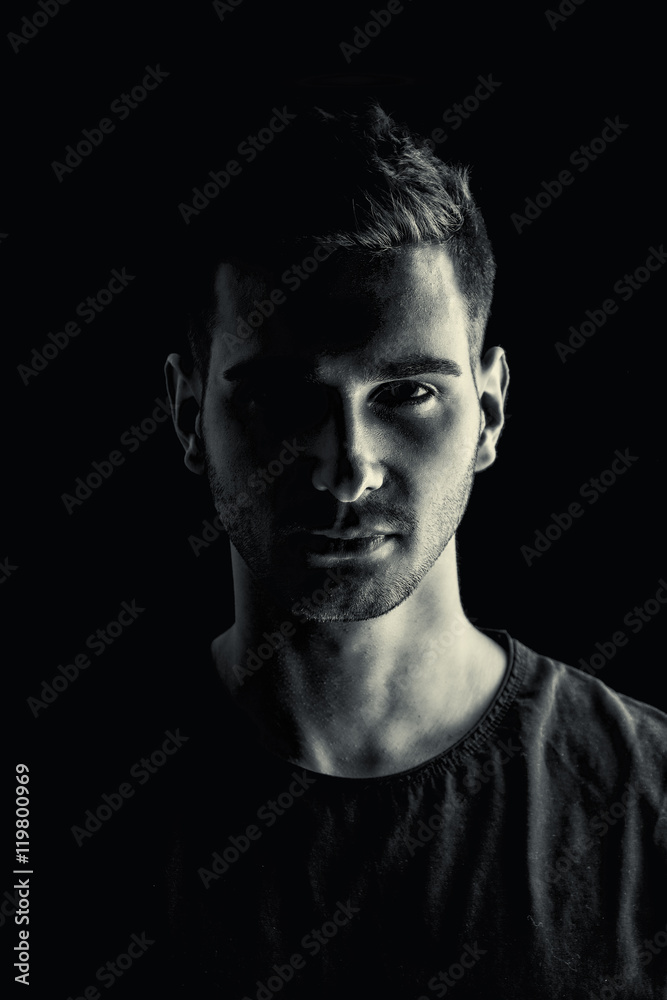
(230, 461)
(252, 435)
(232, 437)
(445, 442)
(252, 474)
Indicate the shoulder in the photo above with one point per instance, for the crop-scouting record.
(576, 723)
(571, 695)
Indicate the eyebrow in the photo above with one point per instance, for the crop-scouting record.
(383, 371)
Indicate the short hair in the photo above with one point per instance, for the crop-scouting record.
(348, 180)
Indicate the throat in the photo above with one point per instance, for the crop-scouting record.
(355, 719)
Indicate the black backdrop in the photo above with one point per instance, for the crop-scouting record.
(66, 573)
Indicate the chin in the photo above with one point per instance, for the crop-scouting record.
(352, 600)
(356, 613)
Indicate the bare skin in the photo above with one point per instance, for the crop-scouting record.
(385, 672)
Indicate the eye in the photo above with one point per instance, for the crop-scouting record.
(245, 395)
(404, 394)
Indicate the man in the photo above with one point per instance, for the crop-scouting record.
(424, 805)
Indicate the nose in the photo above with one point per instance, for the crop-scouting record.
(346, 453)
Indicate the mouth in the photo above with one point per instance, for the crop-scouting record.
(323, 546)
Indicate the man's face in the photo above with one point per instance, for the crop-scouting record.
(341, 434)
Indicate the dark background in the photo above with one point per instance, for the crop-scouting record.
(129, 539)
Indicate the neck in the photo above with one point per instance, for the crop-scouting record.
(361, 699)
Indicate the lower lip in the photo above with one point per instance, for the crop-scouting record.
(320, 549)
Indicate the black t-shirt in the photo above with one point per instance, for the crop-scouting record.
(526, 861)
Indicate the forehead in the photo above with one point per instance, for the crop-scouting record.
(354, 306)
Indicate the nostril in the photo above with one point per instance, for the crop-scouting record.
(347, 478)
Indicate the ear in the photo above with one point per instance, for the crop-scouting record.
(493, 380)
(185, 395)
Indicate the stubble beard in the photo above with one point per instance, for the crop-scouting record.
(354, 596)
